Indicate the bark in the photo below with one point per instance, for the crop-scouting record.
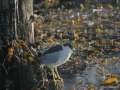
(15, 19)
(26, 25)
(5, 20)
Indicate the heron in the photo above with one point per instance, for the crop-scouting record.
(55, 56)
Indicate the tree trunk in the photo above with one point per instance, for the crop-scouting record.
(5, 27)
(26, 25)
(15, 24)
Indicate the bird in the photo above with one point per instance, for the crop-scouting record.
(55, 56)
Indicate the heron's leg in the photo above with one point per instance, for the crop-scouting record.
(42, 74)
(51, 68)
(54, 75)
(57, 74)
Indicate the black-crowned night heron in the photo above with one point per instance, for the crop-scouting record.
(56, 56)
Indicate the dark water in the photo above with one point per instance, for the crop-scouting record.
(88, 76)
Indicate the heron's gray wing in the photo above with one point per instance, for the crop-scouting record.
(51, 58)
(57, 58)
(64, 55)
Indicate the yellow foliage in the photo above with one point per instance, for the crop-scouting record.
(73, 21)
(82, 7)
(91, 89)
(76, 36)
(98, 30)
(110, 80)
(110, 6)
(50, 41)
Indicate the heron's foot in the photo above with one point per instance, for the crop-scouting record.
(59, 79)
(57, 76)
